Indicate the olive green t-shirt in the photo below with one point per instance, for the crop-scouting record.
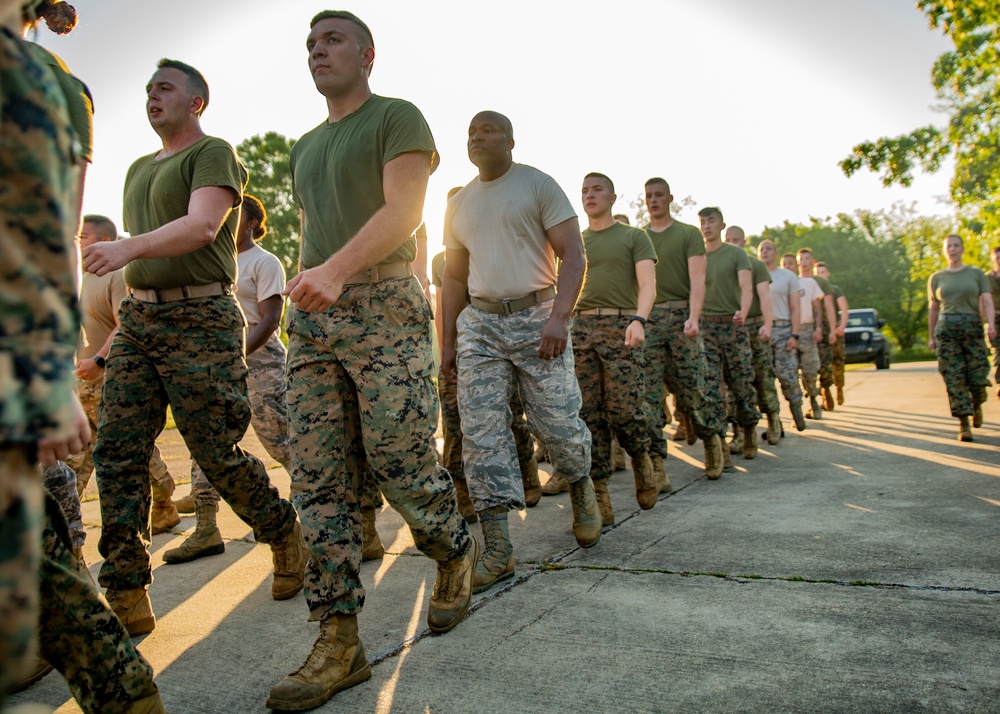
(337, 171)
(827, 287)
(722, 280)
(673, 248)
(611, 257)
(158, 192)
(994, 281)
(958, 291)
(758, 274)
(78, 99)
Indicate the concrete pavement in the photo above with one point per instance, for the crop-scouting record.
(853, 567)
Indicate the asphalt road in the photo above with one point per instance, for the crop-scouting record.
(853, 567)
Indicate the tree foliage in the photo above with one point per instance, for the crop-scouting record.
(267, 160)
(967, 80)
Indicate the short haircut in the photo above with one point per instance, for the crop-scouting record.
(106, 226)
(821, 264)
(622, 218)
(788, 255)
(503, 121)
(805, 250)
(597, 175)
(657, 179)
(954, 235)
(255, 210)
(196, 82)
(364, 33)
(709, 211)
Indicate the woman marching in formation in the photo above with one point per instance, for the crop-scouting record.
(959, 299)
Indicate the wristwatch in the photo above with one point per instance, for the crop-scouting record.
(637, 318)
(100, 361)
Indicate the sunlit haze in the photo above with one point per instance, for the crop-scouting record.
(744, 105)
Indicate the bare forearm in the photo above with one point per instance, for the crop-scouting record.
(453, 301)
(570, 282)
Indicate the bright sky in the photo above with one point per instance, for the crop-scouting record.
(744, 105)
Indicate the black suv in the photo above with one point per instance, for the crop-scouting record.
(864, 340)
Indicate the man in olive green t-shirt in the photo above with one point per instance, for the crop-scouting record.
(180, 343)
(838, 345)
(608, 333)
(728, 297)
(825, 324)
(360, 359)
(673, 348)
(994, 278)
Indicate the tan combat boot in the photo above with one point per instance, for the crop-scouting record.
(749, 442)
(147, 704)
(586, 515)
(680, 433)
(133, 608)
(186, 504)
(840, 395)
(290, 557)
(555, 485)
(465, 505)
(662, 480)
(727, 457)
(713, 457)
(828, 399)
(977, 415)
(337, 662)
(604, 502)
(800, 422)
(206, 539)
(773, 428)
(964, 432)
(41, 670)
(163, 517)
(541, 454)
(496, 564)
(736, 445)
(646, 488)
(452, 591)
(530, 483)
(817, 410)
(371, 544)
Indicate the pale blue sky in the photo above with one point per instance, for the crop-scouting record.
(747, 105)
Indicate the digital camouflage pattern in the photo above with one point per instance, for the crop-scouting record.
(679, 363)
(60, 481)
(497, 357)
(839, 350)
(808, 360)
(825, 350)
(188, 354)
(160, 480)
(728, 355)
(39, 326)
(451, 427)
(269, 412)
(762, 357)
(360, 374)
(786, 363)
(963, 364)
(81, 636)
(612, 383)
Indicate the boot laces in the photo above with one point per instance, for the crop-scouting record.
(578, 496)
(447, 581)
(322, 651)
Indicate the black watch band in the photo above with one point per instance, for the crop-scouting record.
(100, 361)
(639, 319)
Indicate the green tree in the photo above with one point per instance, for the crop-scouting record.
(967, 80)
(267, 159)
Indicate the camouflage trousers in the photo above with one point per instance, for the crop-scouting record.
(963, 363)
(825, 350)
(762, 358)
(679, 363)
(612, 383)
(187, 354)
(808, 359)
(269, 412)
(45, 592)
(60, 481)
(995, 343)
(728, 358)
(451, 426)
(160, 479)
(360, 383)
(839, 349)
(496, 357)
(786, 362)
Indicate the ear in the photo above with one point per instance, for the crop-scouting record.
(197, 103)
(369, 57)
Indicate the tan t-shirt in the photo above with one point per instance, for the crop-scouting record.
(99, 299)
(502, 224)
(810, 291)
(261, 275)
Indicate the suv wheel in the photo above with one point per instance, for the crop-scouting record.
(882, 361)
